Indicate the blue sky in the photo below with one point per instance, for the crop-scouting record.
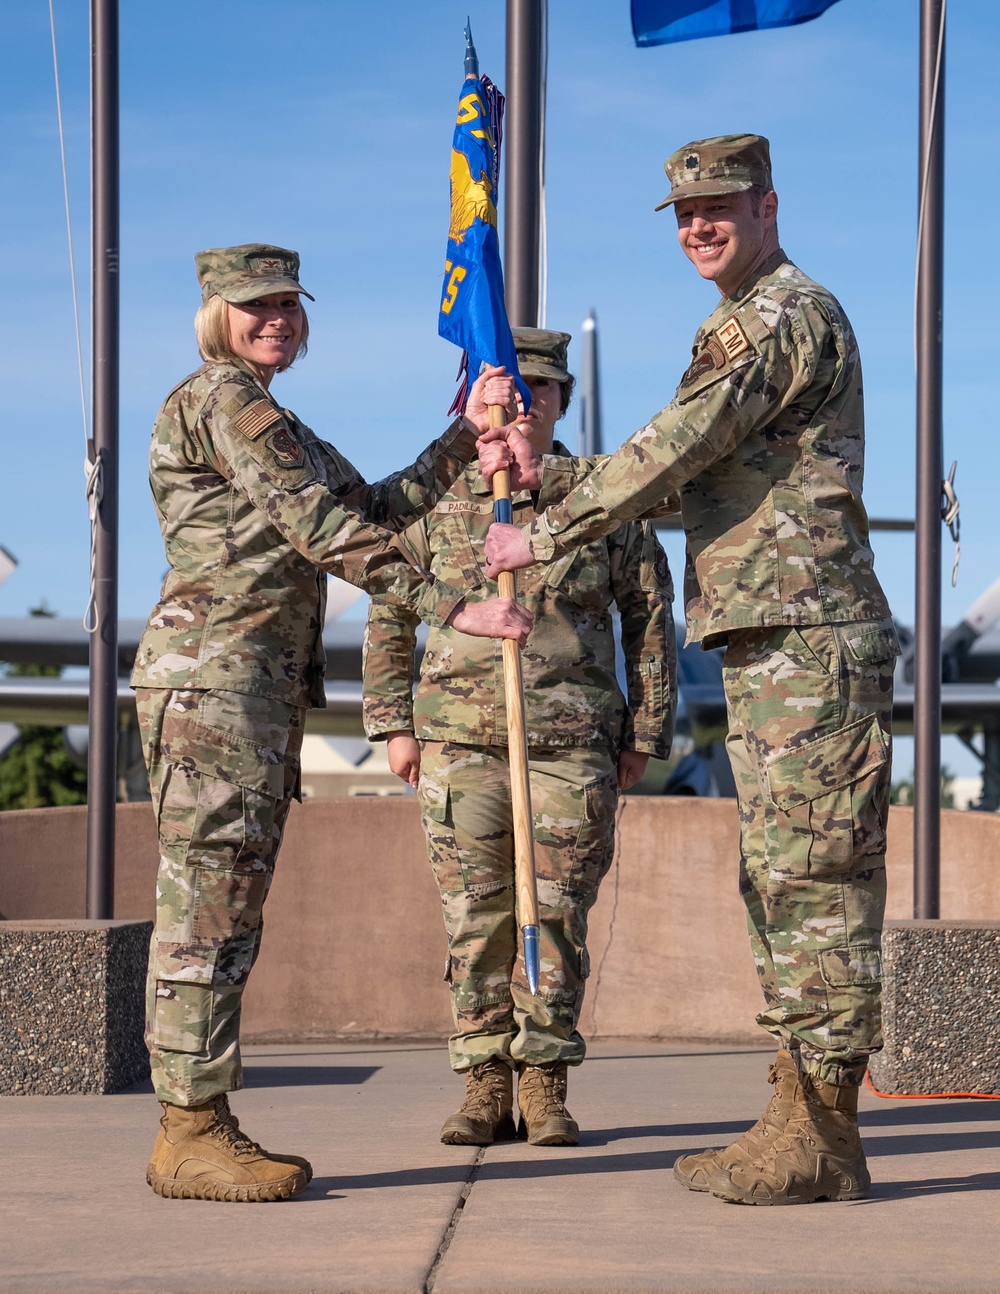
(326, 127)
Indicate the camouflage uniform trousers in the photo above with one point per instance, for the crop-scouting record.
(466, 811)
(809, 740)
(223, 769)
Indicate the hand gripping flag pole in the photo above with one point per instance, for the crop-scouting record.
(473, 315)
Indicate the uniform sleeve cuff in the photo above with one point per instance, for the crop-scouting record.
(540, 543)
(437, 602)
(460, 439)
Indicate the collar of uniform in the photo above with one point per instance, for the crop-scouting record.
(478, 486)
(769, 266)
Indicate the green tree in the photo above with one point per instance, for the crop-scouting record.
(37, 771)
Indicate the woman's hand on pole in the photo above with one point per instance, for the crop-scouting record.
(492, 386)
(502, 447)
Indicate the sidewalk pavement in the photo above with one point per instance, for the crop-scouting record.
(392, 1210)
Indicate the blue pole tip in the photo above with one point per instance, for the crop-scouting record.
(530, 937)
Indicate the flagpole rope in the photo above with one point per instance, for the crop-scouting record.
(925, 172)
(69, 227)
(93, 463)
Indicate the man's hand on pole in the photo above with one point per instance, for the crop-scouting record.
(506, 550)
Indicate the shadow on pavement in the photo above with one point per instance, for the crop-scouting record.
(882, 1191)
(907, 1113)
(308, 1075)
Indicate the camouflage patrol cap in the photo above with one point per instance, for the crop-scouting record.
(723, 164)
(541, 352)
(251, 270)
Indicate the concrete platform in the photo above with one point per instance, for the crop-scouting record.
(391, 1209)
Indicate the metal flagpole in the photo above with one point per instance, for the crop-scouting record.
(103, 716)
(930, 469)
(591, 441)
(522, 146)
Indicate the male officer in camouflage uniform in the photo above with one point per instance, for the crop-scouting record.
(585, 743)
(254, 509)
(764, 439)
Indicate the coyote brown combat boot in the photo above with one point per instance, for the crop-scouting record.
(541, 1098)
(487, 1113)
(818, 1156)
(695, 1171)
(202, 1154)
(297, 1160)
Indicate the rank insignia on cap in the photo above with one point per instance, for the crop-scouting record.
(732, 338)
(286, 448)
(691, 162)
(256, 418)
(269, 263)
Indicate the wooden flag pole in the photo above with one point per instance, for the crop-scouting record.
(517, 744)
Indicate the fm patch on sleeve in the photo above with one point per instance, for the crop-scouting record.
(732, 338)
(256, 418)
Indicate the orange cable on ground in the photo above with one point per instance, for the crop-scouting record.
(929, 1096)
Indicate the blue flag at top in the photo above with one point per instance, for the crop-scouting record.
(473, 314)
(660, 22)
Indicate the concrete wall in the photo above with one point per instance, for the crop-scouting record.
(355, 946)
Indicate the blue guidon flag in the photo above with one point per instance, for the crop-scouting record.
(473, 314)
(660, 22)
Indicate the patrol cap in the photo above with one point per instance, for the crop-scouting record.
(723, 164)
(251, 270)
(541, 352)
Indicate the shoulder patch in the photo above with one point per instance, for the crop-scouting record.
(256, 418)
(732, 338)
(285, 447)
(711, 356)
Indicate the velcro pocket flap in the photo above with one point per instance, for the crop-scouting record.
(434, 800)
(186, 741)
(873, 644)
(826, 764)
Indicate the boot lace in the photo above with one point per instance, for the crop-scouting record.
(548, 1089)
(226, 1129)
(486, 1090)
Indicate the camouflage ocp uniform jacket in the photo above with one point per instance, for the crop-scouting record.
(254, 508)
(572, 697)
(765, 439)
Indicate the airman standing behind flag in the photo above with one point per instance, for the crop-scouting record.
(586, 745)
(765, 440)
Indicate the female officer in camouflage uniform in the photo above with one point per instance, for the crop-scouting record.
(586, 745)
(254, 510)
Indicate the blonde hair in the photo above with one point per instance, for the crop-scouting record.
(211, 329)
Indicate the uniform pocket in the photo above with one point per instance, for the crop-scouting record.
(830, 797)
(181, 1010)
(576, 831)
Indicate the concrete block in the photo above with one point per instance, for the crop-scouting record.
(72, 1006)
(941, 1009)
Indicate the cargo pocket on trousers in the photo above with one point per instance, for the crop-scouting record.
(225, 817)
(439, 830)
(181, 1012)
(595, 844)
(830, 797)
